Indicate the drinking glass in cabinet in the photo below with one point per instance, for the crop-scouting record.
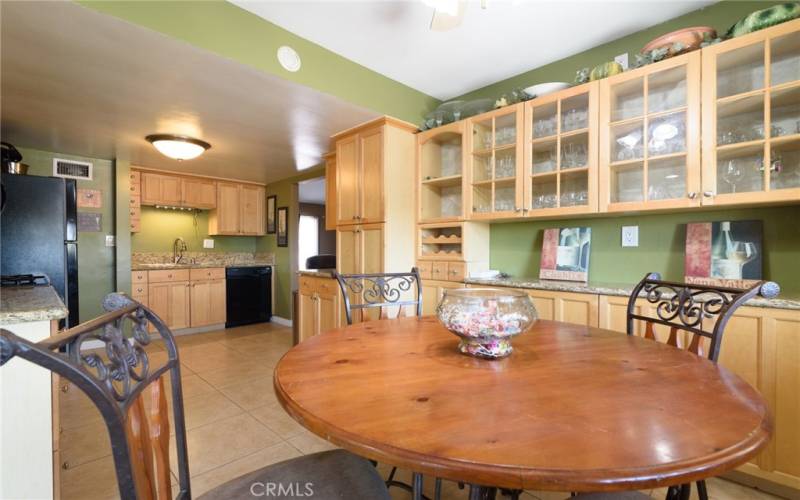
(627, 100)
(667, 135)
(740, 121)
(666, 179)
(785, 63)
(626, 183)
(574, 190)
(505, 135)
(482, 199)
(573, 154)
(626, 142)
(740, 70)
(785, 167)
(544, 121)
(574, 113)
(740, 172)
(482, 167)
(482, 135)
(505, 164)
(544, 194)
(450, 201)
(785, 114)
(666, 90)
(504, 198)
(544, 158)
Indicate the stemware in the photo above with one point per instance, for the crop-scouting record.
(732, 174)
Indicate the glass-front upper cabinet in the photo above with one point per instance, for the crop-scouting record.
(751, 117)
(440, 155)
(650, 136)
(495, 163)
(561, 152)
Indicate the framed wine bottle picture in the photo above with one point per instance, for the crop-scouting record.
(724, 253)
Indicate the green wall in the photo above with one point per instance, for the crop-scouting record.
(229, 31)
(720, 15)
(95, 260)
(160, 227)
(516, 246)
(283, 276)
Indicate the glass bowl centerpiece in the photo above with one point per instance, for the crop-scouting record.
(486, 319)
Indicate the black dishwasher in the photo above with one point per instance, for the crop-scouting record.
(248, 295)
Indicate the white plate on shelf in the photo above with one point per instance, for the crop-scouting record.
(541, 89)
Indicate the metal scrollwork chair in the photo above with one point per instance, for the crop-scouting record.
(115, 379)
(386, 291)
(700, 311)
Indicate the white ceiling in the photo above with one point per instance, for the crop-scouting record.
(79, 82)
(312, 191)
(506, 39)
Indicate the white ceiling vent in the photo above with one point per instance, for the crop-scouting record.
(72, 169)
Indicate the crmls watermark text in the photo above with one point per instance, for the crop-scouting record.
(299, 490)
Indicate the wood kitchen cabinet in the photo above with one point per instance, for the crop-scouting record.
(441, 154)
(207, 302)
(761, 345)
(360, 249)
(373, 166)
(330, 192)
(751, 118)
(159, 189)
(432, 292)
(171, 300)
(649, 137)
(319, 306)
(198, 193)
(253, 209)
(241, 210)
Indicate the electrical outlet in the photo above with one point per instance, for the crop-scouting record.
(208, 243)
(622, 59)
(630, 236)
(110, 240)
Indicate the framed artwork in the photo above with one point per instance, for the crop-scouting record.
(565, 254)
(723, 253)
(271, 202)
(283, 227)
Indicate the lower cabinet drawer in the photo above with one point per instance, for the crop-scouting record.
(455, 271)
(424, 268)
(139, 290)
(168, 275)
(139, 277)
(438, 270)
(209, 273)
(142, 299)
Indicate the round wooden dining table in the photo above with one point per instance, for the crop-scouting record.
(574, 408)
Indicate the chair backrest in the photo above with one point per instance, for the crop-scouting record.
(115, 379)
(702, 310)
(384, 291)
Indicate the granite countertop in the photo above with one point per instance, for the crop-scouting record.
(618, 289)
(317, 273)
(24, 304)
(199, 265)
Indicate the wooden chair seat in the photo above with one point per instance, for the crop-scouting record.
(336, 474)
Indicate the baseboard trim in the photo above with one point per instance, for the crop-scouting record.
(97, 344)
(282, 321)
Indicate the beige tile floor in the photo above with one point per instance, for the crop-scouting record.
(234, 423)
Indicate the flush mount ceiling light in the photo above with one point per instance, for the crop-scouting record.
(289, 58)
(178, 147)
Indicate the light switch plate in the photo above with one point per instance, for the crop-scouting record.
(630, 236)
(110, 240)
(622, 59)
(208, 243)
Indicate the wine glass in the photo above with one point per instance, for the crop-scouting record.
(732, 174)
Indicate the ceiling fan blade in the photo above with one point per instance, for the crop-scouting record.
(443, 21)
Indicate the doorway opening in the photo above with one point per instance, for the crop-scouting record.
(316, 247)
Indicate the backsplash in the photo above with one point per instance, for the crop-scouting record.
(205, 258)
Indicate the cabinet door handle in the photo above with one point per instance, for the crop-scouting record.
(692, 195)
(518, 209)
(708, 194)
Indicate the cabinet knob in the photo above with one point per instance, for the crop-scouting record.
(65, 465)
(518, 209)
(65, 388)
(133, 188)
(692, 195)
(708, 194)
(169, 276)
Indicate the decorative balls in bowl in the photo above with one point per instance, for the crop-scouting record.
(486, 319)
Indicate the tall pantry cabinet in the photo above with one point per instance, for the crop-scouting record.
(374, 178)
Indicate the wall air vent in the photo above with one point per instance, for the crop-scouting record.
(72, 169)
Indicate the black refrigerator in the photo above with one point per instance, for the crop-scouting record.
(39, 233)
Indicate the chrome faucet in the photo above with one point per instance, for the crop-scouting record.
(178, 247)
